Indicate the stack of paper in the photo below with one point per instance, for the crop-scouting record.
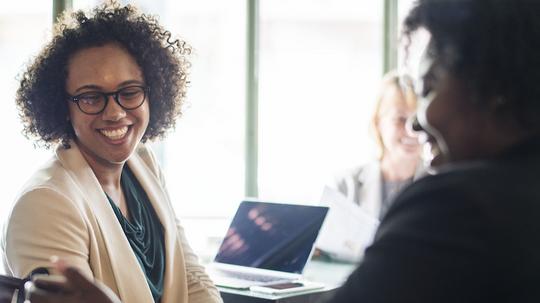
(347, 230)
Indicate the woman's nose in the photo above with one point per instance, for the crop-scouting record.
(113, 111)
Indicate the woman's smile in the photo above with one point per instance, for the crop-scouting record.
(115, 133)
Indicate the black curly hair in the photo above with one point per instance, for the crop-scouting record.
(41, 97)
(491, 45)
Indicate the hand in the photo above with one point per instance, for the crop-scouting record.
(76, 288)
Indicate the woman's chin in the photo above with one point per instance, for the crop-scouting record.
(119, 158)
(115, 157)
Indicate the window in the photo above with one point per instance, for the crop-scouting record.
(204, 156)
(23, 30)
(320, 67)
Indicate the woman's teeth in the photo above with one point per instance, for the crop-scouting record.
(114, 134)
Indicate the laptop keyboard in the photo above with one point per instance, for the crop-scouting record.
(250, 277)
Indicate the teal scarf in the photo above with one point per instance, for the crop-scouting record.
(143, 231)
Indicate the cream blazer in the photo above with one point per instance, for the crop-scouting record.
(364, 186)
(63, 211)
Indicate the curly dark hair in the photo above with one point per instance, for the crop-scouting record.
(41, 97)
(491, 45)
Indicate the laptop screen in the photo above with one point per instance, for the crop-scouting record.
(271, 236)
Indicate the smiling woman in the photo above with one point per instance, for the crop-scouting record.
(108, 81)
(106, 132)
(374, 185)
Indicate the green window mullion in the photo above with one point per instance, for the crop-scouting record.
(59, 6)
(252, 99)
(390, 28)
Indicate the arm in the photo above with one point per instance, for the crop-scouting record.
(45, 223)
(75, 288)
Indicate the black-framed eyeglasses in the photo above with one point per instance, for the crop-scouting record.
(93, 103)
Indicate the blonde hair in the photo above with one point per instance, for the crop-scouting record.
(404, 84)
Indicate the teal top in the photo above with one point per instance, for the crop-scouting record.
(143, 231)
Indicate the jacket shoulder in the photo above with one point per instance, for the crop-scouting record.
(52, 176)
(146, 154)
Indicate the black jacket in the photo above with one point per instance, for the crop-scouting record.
(469, 234)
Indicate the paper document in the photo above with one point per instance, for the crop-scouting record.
(347, 230)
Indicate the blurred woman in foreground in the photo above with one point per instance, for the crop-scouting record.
(469, 233)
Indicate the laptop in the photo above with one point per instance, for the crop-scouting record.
(266, 243)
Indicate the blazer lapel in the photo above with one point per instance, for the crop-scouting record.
(130, 279)
(175, 285)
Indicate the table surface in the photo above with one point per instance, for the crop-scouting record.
(328, 272)
(332, 274)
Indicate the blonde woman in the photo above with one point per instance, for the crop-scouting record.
(373, 185)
